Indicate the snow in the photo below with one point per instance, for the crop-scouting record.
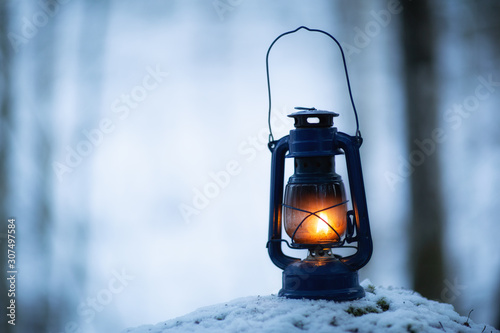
(381, 310)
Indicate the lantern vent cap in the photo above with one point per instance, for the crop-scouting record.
(312, 117)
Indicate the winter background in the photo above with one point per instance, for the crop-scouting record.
(134, 154)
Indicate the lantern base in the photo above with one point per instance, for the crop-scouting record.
(315, 279)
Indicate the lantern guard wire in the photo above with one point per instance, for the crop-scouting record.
(315, 214)
(272, 142)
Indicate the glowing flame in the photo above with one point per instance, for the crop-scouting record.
(321, 226)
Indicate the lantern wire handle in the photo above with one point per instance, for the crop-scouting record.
(272, 143)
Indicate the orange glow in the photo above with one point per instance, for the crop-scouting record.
(321, 227)
(310, 200)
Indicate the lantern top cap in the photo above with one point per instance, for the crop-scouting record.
(312, 117)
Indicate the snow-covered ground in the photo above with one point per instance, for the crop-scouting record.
(381, 310)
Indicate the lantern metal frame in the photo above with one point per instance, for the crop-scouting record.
(331, 276)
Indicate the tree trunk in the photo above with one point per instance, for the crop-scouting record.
(38, 316)
(489, 12)
(421, 90)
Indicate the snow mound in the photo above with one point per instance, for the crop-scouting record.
(381, 310)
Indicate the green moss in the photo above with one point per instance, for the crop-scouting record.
(370, 288)
(382, 304)
(221, 316)
(409, 329)
(299, 324)
(358, 312)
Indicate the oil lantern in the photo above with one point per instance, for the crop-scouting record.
(312, 208)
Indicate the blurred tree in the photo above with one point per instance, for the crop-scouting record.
(39, 311)
(497, 302)
(92, 41)
(489, 11)
(486, 53)
(426, 227)
(89, 77)
(5, 153)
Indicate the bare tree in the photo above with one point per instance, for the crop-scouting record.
(37, 316)
(421, 90)
(489, 26)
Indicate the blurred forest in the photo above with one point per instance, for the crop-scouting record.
(133, 149)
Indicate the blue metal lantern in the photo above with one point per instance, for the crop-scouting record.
(313, 209)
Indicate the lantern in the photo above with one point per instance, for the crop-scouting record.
(313, 209)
